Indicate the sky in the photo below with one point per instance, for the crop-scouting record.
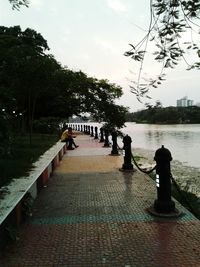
(93, 35)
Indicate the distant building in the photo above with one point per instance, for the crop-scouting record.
(184, 102)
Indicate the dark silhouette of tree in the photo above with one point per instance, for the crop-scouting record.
(168, 115)
(35, 85)
(23, 72)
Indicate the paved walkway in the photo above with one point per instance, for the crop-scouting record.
(91, 214)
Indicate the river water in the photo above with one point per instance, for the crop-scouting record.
(183, 141)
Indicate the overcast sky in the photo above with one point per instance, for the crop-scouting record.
(92, 36)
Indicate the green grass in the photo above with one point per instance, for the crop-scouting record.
(188, 200)
(22, 155)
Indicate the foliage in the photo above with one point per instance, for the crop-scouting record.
(16, 4)
(23, 68)
(4, 134)
(187, 199)
(47, 125)
(170, 20)
(168, 115)
(34, 85)
(19, 162)
(99, 100)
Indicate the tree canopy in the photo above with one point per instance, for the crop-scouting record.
(170, 20)
(34, 85)
(16, 4)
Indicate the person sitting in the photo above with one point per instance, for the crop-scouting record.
(68, 137)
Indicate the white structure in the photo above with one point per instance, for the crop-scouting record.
(184, 102)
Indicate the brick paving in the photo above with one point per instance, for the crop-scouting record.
(91, 214)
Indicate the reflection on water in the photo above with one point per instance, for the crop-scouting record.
(183, 141)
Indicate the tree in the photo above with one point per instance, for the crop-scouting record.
(169, 21)
(34, 84)
(16, 4)
(23, 65)
(102, 104)
(78, 94)
(168, 115)
(83, 94)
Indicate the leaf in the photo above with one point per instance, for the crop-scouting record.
(129, 53)
(147, 96)
(132, 46)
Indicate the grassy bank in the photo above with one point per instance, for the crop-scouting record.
(187, 199)
(181, 194)
(19, 161)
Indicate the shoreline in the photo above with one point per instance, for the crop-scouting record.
(187, 177)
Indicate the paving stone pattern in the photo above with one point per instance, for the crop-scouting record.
(87, 218)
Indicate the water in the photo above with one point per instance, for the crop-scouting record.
(183, 140)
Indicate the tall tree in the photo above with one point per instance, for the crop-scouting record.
(34, 84)
(22, 69)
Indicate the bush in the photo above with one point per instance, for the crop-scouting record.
(4, 135)
(48, 125)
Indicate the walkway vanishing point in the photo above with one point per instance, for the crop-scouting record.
(91, 214)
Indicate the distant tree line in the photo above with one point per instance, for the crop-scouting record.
(167, 115)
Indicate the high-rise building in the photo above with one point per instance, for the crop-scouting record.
(184, 102)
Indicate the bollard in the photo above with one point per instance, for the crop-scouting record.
(96, 132)
(106, 142)
(88, 131)
(92, 131)
(127, 166)
(114, 150)
(101, 135)
(164, 206)
(84, 129)
(81, 128)
(163, 203)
